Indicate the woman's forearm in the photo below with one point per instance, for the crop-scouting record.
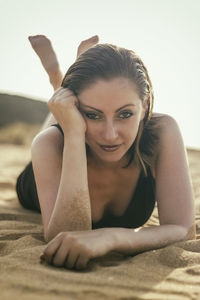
(72, 210)
(130, 241)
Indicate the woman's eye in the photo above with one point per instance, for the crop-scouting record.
(92, 116)
(126, 115)
(123, 115)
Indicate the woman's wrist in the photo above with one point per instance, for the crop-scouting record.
(74, 133)
(120, 238)
(112, 237)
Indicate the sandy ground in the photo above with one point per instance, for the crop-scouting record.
(171, 273)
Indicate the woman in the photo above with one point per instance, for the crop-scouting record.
(79, 182)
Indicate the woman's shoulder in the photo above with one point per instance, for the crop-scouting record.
(156, 114)
(159, 115)
(162, 118)
(163, 123)
(152, 132)
(157, 125)
(49, 136)
(153, 135)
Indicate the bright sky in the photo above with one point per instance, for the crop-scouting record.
(165, 33)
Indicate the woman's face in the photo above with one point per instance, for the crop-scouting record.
(112, 111)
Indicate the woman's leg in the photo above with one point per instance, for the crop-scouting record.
(43, 48)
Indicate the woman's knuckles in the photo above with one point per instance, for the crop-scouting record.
(62, 101)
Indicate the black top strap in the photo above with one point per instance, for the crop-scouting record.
(59, 127)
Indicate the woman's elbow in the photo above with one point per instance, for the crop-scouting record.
(190, 233)
(46, 238)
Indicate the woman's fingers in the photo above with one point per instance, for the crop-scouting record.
(77, 259)
(42, 256)
(75, 249)
(82, 261)
(61, 254)
(71, 258)
(52, 247)
(70, 254)
(67, 253)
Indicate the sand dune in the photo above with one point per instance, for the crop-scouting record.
(171, 273)
(20, 118)
(14, 108)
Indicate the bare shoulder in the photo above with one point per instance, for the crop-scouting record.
(155, 114)
(161, 116)
(168, 125)
(171, 141)
(168, 133)
(49, 136)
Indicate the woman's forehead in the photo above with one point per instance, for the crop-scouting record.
(113, 92)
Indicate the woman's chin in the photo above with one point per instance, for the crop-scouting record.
(107, 156)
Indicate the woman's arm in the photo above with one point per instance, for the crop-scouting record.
(174, 196)
(81, 246)
(72, 210)
(130, 241)
(61, 175)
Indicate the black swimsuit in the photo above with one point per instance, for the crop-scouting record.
(137, 213)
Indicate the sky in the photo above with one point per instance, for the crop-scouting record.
(164, 33)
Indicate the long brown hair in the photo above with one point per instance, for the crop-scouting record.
(107, 61)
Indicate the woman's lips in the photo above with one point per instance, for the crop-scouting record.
(110, 148)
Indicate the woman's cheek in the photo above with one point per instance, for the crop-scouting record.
(88, 134)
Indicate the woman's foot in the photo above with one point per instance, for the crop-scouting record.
(43, 48)
(86, 44)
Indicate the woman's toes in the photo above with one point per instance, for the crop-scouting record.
(86, 44)
(94, 38)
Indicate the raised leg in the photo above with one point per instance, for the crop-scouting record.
(43, 48)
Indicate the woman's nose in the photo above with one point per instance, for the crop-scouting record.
(110, 132)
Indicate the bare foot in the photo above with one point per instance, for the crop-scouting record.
(43, 47)
(86, 44)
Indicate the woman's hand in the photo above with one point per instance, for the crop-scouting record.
(73, 249)
(64, 105)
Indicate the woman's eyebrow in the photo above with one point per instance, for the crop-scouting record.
(115, 111)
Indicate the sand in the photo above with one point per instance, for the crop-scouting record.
(171, 273)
